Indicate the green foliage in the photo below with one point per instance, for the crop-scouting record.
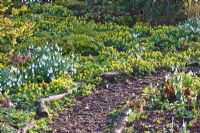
(158, 12)
(48, 10)
(192, 26)
(180, 92)
(16, 117)
(82, 44)
(128, 12)
(134, 116)
(71, 4)
(84, 49)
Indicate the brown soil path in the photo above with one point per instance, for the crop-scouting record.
(90, 114)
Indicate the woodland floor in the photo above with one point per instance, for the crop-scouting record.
(91, 113)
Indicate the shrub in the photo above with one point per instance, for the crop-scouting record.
(49, 10)
(81, 44)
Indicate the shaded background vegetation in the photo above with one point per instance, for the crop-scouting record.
(128, 12)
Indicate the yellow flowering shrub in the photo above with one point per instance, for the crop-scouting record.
(11, 30)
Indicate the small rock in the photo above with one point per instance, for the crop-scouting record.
(87, 107)
(62, 130)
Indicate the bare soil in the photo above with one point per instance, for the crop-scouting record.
(91, 113)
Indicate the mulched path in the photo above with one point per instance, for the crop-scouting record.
(162, 122)
(91, 113)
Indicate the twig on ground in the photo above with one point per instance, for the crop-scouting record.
(110, 75)
(122, 121)
(42, 110)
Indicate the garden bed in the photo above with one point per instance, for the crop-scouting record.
(46, 50)
(91, 114)
(151, 112)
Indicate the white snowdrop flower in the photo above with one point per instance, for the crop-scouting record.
(58, 49)
(56, 64)
(44, 57)
(33, 66)
(39, 48)
(18, 71)
(184, 124)
(24, 70)
(63, 61)
(33, 71)
(48, 50)
(52, 77)
(9, 84)
(47, 73)
(14, 79)
(75, 71)
(29, 53)
(50, 71)
(19, 81)
(26, 76)
(11, 78)
(42, 63)
(56, 53)
(13, 69)
(135, 35)
(73, 56)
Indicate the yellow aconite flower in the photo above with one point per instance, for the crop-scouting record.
(15, 11)
(4, 9)
(1, 65)
(61, 82)
(23, 8)
(14, 41)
